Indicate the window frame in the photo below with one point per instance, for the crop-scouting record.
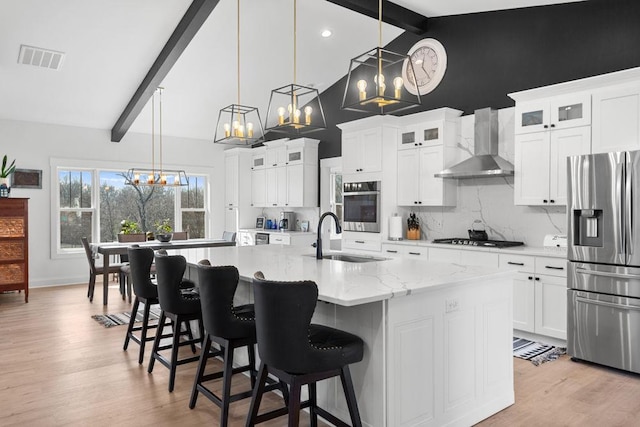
(95, 167)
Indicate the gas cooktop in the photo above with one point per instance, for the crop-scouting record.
(469, 242)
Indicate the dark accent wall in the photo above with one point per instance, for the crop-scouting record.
(494, 53)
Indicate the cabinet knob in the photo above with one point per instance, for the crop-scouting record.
(545, 201)
(530, 278)
(552, 201)
(537, 278)
(415, 202)
(546, 126)
(553, 125)
(420, 143)
(419, 203)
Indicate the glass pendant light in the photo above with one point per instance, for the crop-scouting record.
(156, 176)
(295, 108)
(375, 81)
(238, 124)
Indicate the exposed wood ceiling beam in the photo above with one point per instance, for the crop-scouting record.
(392, 14)
(186, 29)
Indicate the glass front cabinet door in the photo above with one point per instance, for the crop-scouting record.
(558, 112)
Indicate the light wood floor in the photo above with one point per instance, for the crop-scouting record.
(60, 367)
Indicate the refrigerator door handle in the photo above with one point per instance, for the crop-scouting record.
(620, 184)
(607, 304)
(607, 274)
(628, 207)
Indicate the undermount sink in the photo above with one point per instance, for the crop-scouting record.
(351, 258)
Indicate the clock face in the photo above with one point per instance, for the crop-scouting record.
(429, 62)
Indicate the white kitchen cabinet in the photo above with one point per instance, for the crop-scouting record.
(558, 112)
(231, 218)
(259, 188)
(279, 239)
(291, 183)
(365, 242)
(231, 169)
(425, 149)
(362, 151)
(276, 154)
(245, 238)
(395, 250)
(616, 118)
(421, 135)
(541, 164)
(539, 294)
(237, 164)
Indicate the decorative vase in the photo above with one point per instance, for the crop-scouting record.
(164, 237)
(413, 234)
(4, 187)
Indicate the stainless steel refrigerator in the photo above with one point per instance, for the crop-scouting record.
(603, 304)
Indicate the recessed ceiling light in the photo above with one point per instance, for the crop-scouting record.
(326, 33)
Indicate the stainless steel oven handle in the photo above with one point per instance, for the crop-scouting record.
(607, 274)
(360, 193)
(607, 304)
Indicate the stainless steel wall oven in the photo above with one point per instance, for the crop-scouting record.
(361, 203)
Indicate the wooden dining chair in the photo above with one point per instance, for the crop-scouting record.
(95, 270)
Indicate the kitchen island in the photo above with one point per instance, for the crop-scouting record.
(438, 337)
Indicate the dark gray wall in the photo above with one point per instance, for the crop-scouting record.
(494, 53)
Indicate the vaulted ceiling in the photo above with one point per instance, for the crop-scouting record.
(110, 46)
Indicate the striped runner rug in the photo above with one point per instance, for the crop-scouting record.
(536, 352)
(109, 320)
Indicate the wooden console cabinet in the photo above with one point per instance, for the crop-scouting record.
(14, 245)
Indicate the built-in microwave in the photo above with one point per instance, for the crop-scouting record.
(361, 204)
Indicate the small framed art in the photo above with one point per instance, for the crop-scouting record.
(26, 178)
(260, 223)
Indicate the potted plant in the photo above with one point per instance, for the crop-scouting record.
(413, 227)
(130, 232)
(5, 172)
(164, 230)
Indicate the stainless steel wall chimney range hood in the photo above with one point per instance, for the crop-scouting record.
(485, 161)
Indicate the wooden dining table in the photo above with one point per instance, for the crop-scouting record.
(117, 248)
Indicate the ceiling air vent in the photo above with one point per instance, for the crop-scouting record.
(39, 57)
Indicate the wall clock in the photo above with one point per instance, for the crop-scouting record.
(429, 61)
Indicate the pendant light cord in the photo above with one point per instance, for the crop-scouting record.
(238, 49)
(379, 39)
(295, 36)
(160, 127)
(153, 132)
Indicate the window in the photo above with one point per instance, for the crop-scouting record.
(192, 212)
(93, 202)
(77, 207)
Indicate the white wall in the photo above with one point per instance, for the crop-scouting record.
(34, 144)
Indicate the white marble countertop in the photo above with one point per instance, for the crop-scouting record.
(347, 283)
(516, 250)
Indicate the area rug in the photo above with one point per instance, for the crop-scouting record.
(109, 320)
(537, 353)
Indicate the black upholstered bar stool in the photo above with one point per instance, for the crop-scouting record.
(298, 352)
(180, 306)
(230, 327)
(140, 261)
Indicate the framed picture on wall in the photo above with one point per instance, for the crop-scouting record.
(304, 226)
(26, 178)
(260, 223)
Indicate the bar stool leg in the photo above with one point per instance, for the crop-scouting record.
(156, 342)
(144, 330)
(258, 390)
(294, 403)
(252, 363)
(352, 403)
(202, 364)
(174, 351)
(226, 384)
(132, 322)
(313, 400)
